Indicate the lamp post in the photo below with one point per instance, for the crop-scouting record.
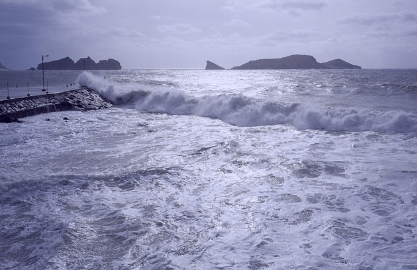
(8, 92)
(43, 74)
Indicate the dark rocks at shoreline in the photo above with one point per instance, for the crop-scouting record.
(75, 100)
(8, 119)
(82, 64)
(212, 66)
(293, 62)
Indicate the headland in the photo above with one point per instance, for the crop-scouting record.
(82, 64)
(212, 66)
(292, 62)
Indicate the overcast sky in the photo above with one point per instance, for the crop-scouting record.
(186, 33)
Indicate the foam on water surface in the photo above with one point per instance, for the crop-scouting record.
(128, 189)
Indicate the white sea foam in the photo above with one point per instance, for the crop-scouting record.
(240, 110)
(123, 189)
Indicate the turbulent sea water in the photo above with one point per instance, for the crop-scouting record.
(195, 169)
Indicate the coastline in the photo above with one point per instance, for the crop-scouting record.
(83, 99)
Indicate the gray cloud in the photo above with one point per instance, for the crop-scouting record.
(235, 5)
(411, 33)
(293, 5)
(237, 23)
(185, 33)
(303, 5)
(33, 17)
(78, 7)
(119, 32)
(278, 37)
(156, 17)
(179, 28)
(405, 16)
(274, 5)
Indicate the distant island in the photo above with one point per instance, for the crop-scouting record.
(82, 64)
(212, 66)
(2, 67)
(290, 62)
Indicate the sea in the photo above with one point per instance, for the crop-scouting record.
(201, 169)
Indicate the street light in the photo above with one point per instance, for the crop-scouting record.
(43, 74)
(8, 92)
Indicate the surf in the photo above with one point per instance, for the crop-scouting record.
(244, 111)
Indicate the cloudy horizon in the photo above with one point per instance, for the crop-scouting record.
(186, 33)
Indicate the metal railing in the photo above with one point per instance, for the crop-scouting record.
(27, 91)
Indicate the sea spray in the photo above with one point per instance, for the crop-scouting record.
(240, 110)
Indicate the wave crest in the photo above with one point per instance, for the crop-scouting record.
(243, 111)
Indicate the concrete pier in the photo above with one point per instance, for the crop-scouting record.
(80, 100)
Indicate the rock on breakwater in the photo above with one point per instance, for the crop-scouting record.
(79, 100)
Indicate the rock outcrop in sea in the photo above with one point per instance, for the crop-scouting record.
(339, 64)
(82, 64)
(83, 99)
(2, 67)
(212, 66)
(289, 62)
(292, 62)
(296, 62)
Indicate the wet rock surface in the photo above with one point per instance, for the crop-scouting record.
(75, 100)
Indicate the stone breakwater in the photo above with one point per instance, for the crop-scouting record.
(79, 100)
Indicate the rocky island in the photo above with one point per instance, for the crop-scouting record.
(293, 62)
(212, 66)
(339, 64)
(82, 64)
(2, 67)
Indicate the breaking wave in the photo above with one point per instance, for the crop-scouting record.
(244, 111)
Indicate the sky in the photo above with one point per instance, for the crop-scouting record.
(144, 34)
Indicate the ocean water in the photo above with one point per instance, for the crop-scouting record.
(195, 169)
